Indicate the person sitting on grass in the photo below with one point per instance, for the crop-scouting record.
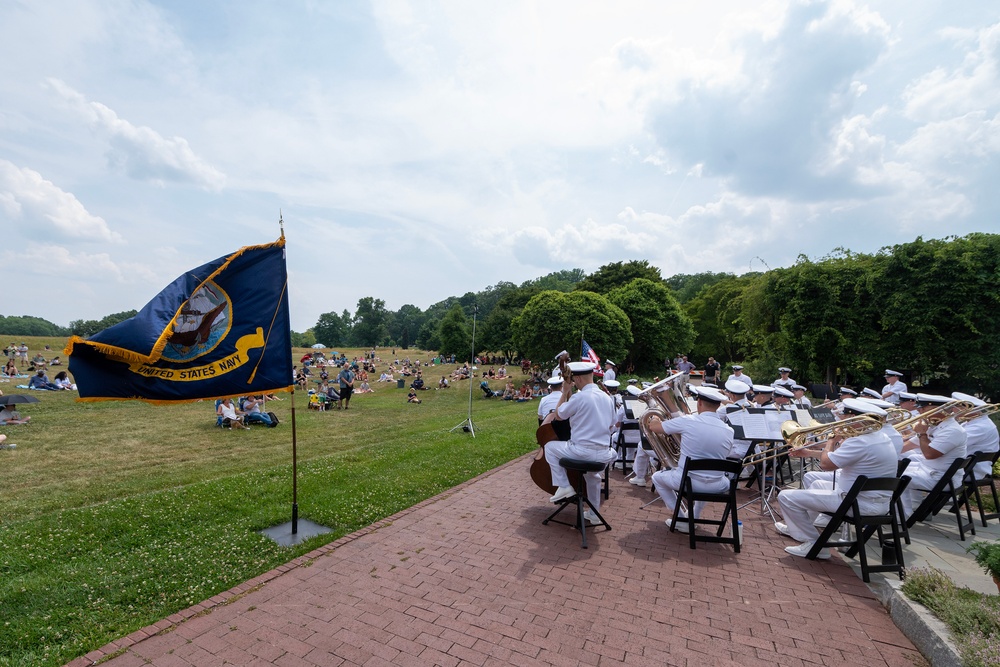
(63, 382)
(10, 370)
(328, 394)
(39, 381)
(230, 415)
(443, 383)
(418, 383)
(524, 394)
(509, 393)
(55, 361)
(412, 396)
(11, 416)
(365, 388)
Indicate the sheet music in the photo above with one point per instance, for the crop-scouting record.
(803, 417)
(758, 424)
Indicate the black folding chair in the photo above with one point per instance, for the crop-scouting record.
(976, 484)
(688, 495)
(865, 525)
(943, 492)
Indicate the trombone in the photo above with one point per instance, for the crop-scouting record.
(801, 437)
(976, 411)
(936, 415)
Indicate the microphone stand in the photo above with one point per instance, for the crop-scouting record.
(467, 425)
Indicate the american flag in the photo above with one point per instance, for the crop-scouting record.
(588, 354)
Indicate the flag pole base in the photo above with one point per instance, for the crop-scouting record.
(286, 537)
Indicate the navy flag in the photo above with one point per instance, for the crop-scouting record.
(219, 330)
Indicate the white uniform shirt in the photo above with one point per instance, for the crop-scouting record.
(896, 388)
(981, 435)
(589, 414)
(949, 438)
(872, 455)
(787, 384)
(703, 436)
(548, 403)
(745, 379)
(609, 375)
(895, 438)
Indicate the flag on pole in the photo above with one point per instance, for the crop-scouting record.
(221, 329)
(588, 354)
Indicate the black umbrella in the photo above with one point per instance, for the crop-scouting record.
(17, 398)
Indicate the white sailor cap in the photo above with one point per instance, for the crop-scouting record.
(633, 390)
(959, 396)
(889, 372)
(736, 387)
(555, 379)
(709, 385)
(931, 399)
(708, 394)
(848, 391)
(862, 407)
(633, 381)
(798, 387)
(580, 367)
(612, 384)
(762, 389)
(781, 391)
(608, 361)
(784, 369)
(737, 367)
(907, 396)
(885, 405)
(871, 392)
(646, 384)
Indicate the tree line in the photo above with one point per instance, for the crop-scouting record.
(928, 308)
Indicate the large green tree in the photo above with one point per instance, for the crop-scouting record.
(86, 328)
(370, 323)
(405, 325)
(687, 286)
(455, 333)
(658, 323)
(617, 274)
(497, 334)
(715, 315)
(552, 321)
(332, 329)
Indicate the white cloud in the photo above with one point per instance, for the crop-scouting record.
(29, 199)
(141, 152)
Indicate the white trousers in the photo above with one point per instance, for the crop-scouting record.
(801, 507)
(668, 482)
(641, 462)
(560, 448)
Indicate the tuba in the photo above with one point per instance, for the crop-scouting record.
(662, 400)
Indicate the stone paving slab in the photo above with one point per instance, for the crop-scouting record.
(472, 577)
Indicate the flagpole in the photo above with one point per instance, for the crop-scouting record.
(295, 476)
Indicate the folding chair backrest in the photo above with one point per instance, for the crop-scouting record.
(728, 466)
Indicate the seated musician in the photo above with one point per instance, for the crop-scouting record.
(589, 414)
(549, 401)
(845, 392)
(762, 396)
(784, 380)
(783, 398)
(892, 433)
(908, 401)
(703, 436)
(800, 400)
(736, 391)
(981, 433)
(871, 455)
(937, 444)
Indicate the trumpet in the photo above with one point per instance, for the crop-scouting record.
(976, 411)
(801, 437)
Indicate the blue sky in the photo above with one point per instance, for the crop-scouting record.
(419, 150)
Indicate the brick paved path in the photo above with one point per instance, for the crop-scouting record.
(471, 577)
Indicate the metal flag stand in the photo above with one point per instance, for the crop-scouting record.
(288, 534)
(467, 425)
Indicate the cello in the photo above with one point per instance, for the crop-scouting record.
(541, 473)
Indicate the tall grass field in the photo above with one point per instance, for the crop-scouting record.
(114, 515)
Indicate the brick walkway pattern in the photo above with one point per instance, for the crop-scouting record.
(472, 577)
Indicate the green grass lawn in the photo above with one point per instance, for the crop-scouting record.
(117, 514)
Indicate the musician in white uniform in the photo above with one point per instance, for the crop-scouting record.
(895, 386)
(703, 436)
(980, 434)
(610, 371)
(762, 396)
(894, 436)
(784, 380)
(737, 393)
(549, 402)
(740, 377)
(783, 398)
(937, 447)
(871, 455)
(589, 412)
(617, 408)
(908, 401)
(800, 400)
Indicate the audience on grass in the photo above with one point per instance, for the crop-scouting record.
(230, 415)
(40, 381)
(253, 412)
(412, 396)
(8, 415)
(63, 382)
